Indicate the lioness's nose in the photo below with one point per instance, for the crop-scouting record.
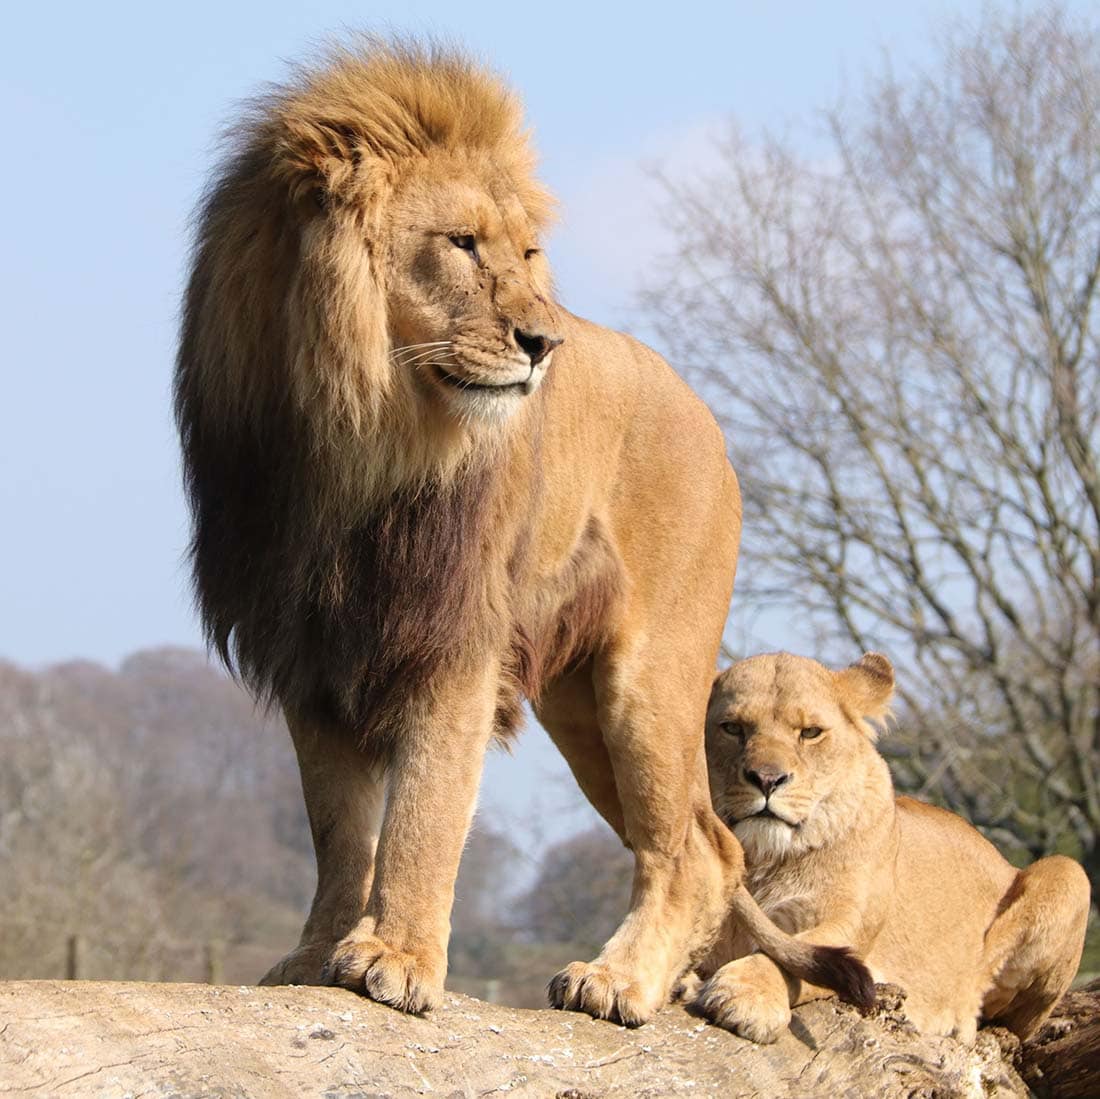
(536, 345)
(766, 779)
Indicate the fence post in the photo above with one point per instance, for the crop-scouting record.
(74, 961)
(215, 962)
(492, 991)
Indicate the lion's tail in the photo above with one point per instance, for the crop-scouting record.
(834, 967)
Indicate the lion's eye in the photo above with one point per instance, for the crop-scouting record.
(531, 252)
(812, 732)
(466, 242)
(733, 728)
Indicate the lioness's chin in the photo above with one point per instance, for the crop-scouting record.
(765, 838)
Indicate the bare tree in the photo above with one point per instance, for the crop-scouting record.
(149, 810)
(900, 334)
(582, 884)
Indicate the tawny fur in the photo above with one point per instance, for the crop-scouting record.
(411, 511)
(919, 893)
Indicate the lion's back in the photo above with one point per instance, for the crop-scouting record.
(624, 420)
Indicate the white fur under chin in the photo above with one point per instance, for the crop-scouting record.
(493, 407)
(480, 406)
(765, 839)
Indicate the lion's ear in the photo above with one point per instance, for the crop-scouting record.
(867, 686)
(318, 154)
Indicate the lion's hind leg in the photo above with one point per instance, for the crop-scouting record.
(687, 863)
(1033, 947)
(566, 709)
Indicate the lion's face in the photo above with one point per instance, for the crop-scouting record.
(368, 274)
(787, 748)
(468, 294)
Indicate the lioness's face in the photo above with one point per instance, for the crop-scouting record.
(468, 293)
(784, 752)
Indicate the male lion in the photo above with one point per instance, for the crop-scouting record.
(834, 856)
(422, 491)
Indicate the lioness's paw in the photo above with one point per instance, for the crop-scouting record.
(410, 982)
(686, 988)
(733, 1000)
(603, 991)
(305, 965)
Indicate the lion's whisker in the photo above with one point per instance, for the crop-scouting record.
(426, 343)
(399, 354)
(420, 358)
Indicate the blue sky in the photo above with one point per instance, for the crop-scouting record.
(111, 113)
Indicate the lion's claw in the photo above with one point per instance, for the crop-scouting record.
(305, 965)
(599, 990)
(399, 978)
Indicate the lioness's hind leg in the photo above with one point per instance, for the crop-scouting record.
(1034, 946)
(344, 800)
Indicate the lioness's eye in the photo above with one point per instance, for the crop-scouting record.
(733, 728)
(466, 242)
(812, 732)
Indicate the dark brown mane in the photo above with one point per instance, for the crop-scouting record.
(334, 620)
(337, 570)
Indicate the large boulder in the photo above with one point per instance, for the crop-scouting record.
(79, 1038)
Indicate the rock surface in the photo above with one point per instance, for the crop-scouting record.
(113, 1039)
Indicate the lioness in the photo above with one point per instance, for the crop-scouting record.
(423, 491)
(834, 856)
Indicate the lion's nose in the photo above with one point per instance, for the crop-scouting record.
(766, 779)
(536, 345)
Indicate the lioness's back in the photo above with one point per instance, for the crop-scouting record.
(945, 869)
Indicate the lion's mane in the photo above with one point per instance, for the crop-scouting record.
(332, 519)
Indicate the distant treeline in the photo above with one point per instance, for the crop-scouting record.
(154, 810)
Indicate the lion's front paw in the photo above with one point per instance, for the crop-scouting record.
(604, 991)
(735, 999)
(405, 980)
(305, 965)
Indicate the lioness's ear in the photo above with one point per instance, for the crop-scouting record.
(715, 689)
(867, 686)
